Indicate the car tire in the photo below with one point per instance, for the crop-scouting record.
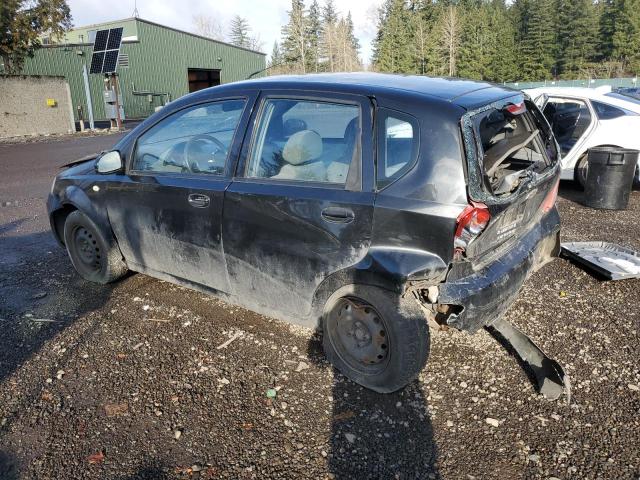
(377, 338)
(582, 168)
(92, 256)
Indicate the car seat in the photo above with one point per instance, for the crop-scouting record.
(338, 170)
(300, 155)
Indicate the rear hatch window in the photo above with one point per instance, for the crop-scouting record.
(512, 172)
(514, 146)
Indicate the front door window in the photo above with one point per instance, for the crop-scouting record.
(195, 140)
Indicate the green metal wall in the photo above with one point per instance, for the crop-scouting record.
(158, 62)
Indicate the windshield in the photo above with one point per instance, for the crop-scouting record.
(515, 142)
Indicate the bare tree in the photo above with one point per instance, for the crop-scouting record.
(450, 37)
(210, 27)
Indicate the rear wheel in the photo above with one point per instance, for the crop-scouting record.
(582, 168)
(91, 255)
(375, 337)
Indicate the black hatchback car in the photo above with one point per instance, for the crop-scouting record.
(357, 203)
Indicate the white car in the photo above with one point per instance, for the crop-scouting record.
(583, 118)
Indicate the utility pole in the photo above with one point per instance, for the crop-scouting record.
(87, 91)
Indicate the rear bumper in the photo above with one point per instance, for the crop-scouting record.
(483, 297)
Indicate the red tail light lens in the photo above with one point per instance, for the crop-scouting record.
(471, 223)
(516, 108)
(550, 199)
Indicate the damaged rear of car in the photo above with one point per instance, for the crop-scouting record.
(511, 227)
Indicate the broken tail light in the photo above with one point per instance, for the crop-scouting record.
(470, 224)
(550, 199)
(516, 108)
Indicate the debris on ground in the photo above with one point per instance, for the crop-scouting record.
(116, 409)
(228, 342)
(614, 262)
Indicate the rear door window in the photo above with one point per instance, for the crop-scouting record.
(514, 140)
(569, 119)
(306, 141)
(397, 145)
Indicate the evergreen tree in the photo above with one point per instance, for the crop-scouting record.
(536, 38)
(239, 32)
(625, 41)
(314, 34)
(577, 36)
(476, 40)
(355, 43)
(393, 43)
(329, 14)
(295, 42)
(502, 50)
(276, 57)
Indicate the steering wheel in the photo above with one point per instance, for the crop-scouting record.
(196, 143)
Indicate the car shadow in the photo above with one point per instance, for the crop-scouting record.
(40, 296)
(151, 470)
(8, 467)
(377, 435)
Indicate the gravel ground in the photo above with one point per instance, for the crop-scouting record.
(143, 379)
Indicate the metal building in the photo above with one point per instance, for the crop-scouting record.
(156, 64)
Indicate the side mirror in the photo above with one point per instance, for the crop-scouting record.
(110, 162)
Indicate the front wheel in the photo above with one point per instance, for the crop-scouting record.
(375, 337)
(92, 256)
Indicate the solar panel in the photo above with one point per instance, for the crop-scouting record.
(115, 35)
(97, 59)
(106, 48)
(100, 42)
(110, 61)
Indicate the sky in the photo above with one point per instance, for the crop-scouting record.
(265, 17)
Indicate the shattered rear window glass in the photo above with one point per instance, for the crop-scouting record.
(514, 141)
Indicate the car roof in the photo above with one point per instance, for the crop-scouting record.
(599, 94)
(467, 94)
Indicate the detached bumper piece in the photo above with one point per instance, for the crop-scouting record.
(551, 380)
(608, 260)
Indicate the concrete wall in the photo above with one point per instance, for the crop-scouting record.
(24, 109)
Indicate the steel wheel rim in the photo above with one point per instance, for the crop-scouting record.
(87, 250)
(359, 335)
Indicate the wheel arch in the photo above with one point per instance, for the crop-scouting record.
(387, 268)
(74, 198)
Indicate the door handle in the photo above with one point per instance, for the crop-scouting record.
(337, 215)
(198, 200)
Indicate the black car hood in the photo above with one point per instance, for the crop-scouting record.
(79, 167)
(84, 159)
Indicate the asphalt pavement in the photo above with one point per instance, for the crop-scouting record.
(142, 379)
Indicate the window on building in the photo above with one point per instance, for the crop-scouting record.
(201, 78)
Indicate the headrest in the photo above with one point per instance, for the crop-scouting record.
(351, 131)
(302, 147)
(293, 125)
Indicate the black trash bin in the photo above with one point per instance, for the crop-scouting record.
(609, 177)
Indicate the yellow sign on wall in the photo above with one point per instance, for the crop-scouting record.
(51, 102)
